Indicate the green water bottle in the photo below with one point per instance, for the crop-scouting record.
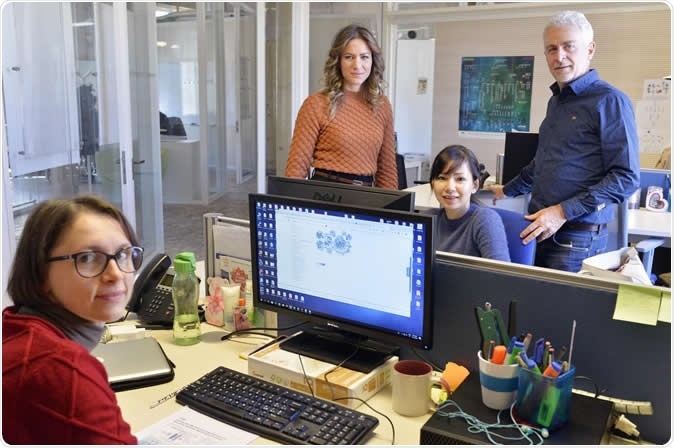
(185, 288)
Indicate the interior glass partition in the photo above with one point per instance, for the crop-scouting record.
(146, 163)
(64, 117)
(206, 57)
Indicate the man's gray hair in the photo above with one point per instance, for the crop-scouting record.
(574, 18)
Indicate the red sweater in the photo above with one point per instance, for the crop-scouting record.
(356, 141)
(53, 390)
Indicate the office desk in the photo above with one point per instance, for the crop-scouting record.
(194, 361)
(643, 223)
(424, 197)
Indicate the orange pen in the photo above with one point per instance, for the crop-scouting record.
(553, 370)
(499, 355)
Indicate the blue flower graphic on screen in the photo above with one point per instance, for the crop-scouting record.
(330, 241)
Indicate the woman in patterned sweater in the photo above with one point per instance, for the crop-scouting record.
(73, 271)
(345, 131)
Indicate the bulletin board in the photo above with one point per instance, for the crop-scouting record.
(495, 94)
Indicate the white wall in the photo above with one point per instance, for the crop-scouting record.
(632, 45)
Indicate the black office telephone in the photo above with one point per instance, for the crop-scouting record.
(151, 299)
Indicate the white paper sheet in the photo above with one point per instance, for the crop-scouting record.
(188, 427)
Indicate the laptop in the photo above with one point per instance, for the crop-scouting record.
(134, 364)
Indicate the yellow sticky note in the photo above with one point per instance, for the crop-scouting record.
(638, 304)
(666, 307)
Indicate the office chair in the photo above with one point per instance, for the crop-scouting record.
(514, 223)
(402, 173)
(646, 248)
(176, 127)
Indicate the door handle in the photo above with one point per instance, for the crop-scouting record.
(138, 162)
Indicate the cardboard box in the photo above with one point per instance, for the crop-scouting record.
(283, 368)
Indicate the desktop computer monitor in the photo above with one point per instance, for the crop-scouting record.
(520, 149)
(342, 193)
(362, 274)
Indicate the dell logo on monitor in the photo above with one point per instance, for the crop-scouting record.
(327, 197)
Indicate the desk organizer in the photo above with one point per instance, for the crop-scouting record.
(544, 401)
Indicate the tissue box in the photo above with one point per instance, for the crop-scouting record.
(283, 368)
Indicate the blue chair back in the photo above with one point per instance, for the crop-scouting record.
(514, 223)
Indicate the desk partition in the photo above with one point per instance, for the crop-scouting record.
(626, 360)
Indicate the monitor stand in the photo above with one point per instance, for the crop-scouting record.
(335, 347)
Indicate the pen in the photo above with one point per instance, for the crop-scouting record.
(565, 366)
(166, 398)
(521, 360)
(512, 344)
(561, 353)
(517, 348)
(553, 370)
(527, 342)
(492, 344)
(267, 344)
(548, 407)
(530, 364)
(546, 354)
(573, 335)
(499, 354)
(538, 351)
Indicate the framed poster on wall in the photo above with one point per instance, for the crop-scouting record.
(495, 94)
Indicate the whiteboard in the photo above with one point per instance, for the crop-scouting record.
(413, 109)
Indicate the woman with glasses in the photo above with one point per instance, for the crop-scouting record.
(73, 272)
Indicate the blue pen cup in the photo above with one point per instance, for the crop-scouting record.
(543, 401)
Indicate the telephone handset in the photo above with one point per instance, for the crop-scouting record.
(151, 299)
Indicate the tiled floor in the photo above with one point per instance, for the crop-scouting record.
(184, 226)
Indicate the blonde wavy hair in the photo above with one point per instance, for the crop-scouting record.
(333, 80)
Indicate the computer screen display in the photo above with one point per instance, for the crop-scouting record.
(341, 193)
(520, 149)
(357, 269)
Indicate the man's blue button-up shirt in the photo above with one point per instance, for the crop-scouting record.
(588, 152)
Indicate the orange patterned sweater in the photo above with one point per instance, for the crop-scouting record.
(356, 141)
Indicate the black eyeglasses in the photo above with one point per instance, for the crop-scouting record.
(92, 263)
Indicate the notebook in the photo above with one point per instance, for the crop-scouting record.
(134, 364)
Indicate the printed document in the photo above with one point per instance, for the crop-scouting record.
(189, 427)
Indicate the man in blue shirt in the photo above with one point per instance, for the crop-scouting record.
(587, 159)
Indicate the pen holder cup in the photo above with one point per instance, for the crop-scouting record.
(544, 401)
(498, 383)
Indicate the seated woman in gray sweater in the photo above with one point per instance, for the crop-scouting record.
(463, 226)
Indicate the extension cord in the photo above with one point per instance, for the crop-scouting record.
(622, 406)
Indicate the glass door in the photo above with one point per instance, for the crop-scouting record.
(146, 161)
(226, 72)
(70, 71)
(52, 104)
(247, 30)
(127, 161)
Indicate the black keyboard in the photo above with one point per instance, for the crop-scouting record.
(275, 412)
